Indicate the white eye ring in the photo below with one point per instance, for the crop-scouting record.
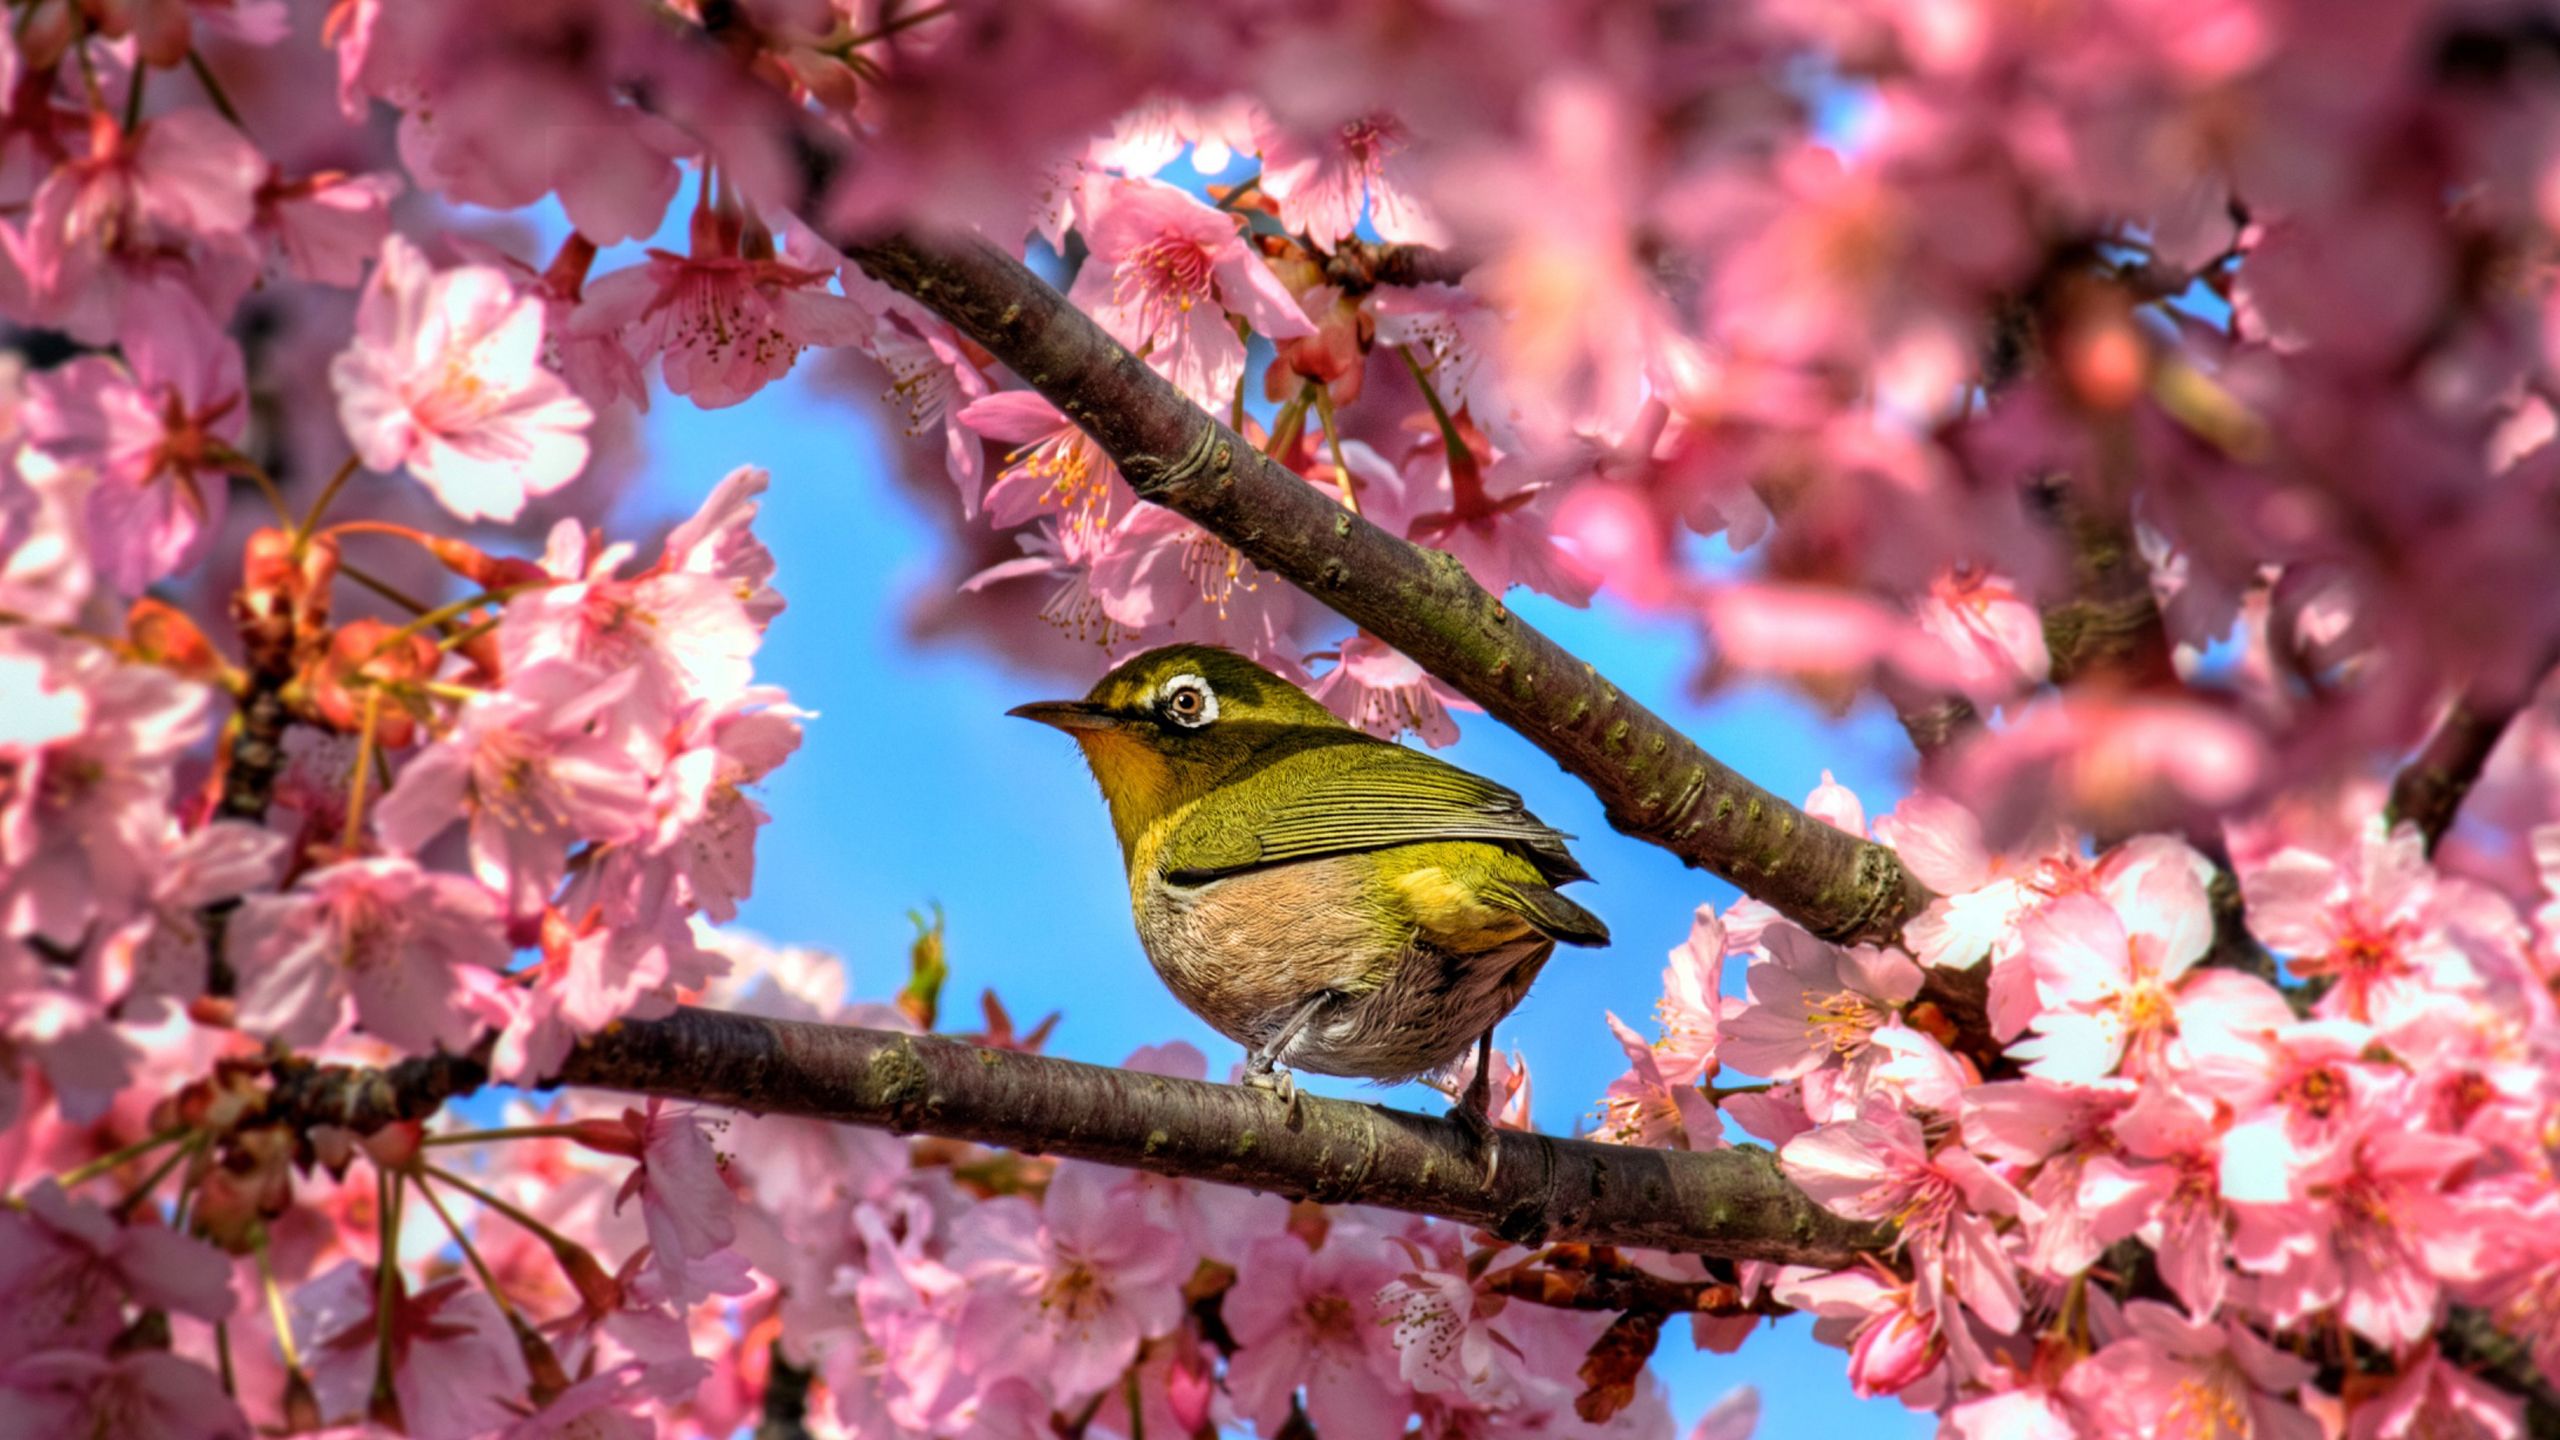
(1188, 701)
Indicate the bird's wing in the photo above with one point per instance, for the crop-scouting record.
(1343, 798)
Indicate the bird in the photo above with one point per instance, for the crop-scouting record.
(1334, 902)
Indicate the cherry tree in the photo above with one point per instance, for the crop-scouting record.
(2150, 401)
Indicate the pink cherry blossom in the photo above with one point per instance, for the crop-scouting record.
(683, 637)
(1056, 466)
(144, 1395)
(1324, 183)
(2313, 1093)
(1893, 1338)
(67, 1271)
(725, 321)
(155, 435)
(1302, 1319)
(2374, 921)
(1982, 894)
(379, 942)
(2080, 1196)
(1166, 272)
(1376, 688)
(169, 202)
(2111, 763)
(1995, 634)
(1442, 1346)
(1162, 576)
(1498, 522)
(162, 951)
(1880, 1167)
(2164, 1185)
(327, 225)
(2112, 980)
(934, 375)
(532, 768)
(1066, 1291)
(455, 1367)
(1645, 1107)
(1813, 1005)
(2378, 1236)
(2172, 1370)
(446, 378)
(719, 540)
(687, 1205)
(1690, 1010)
(2432, 1397)
(87, 775)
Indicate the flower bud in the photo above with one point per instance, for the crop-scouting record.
(1893, 1351)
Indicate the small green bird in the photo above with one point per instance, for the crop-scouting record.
(1331, 901)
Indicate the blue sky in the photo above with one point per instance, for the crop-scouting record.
(914, 789)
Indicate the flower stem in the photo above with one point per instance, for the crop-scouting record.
(379, 586)
(479, 1267)
(133, 96)
(133, 1199)
(504, 1132)
(320, 506)
(90, 1170)
(892, 26)
(455, 610)
(1333, 442)
(536, 1228)
(387, 1275)
(256, 474)
(276, 1314)
(214, 92)
(356, 784)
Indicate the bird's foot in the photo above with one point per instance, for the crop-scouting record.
(1483, 1135)
(1265, 1075)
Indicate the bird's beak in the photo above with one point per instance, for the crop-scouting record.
(1069, 715)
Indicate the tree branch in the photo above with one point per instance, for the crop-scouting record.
(1359, 266)
(2429, 791)
(1731, 1203)
(2109, 628)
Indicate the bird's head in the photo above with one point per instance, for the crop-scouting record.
(1167, 726)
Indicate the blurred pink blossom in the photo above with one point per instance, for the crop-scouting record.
(378, 942)
(1165, 273)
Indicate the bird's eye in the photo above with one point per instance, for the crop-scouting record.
(1188, 701)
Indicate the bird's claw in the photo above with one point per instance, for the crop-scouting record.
(1279, 1082)
(1484, 1135)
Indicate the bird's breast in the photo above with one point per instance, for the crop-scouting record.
(1244, 948)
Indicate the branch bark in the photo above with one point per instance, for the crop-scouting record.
(2109, 628)
(2429, 791)
(1731, 1203)
(1359, 266)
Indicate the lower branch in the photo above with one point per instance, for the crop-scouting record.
(1731, 1203)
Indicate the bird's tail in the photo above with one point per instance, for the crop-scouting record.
(1550, 913)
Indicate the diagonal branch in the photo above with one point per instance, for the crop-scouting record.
(1731, 1203)
(2429, 791)
(1656, 783)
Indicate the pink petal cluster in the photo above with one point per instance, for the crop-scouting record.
(445, 379)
